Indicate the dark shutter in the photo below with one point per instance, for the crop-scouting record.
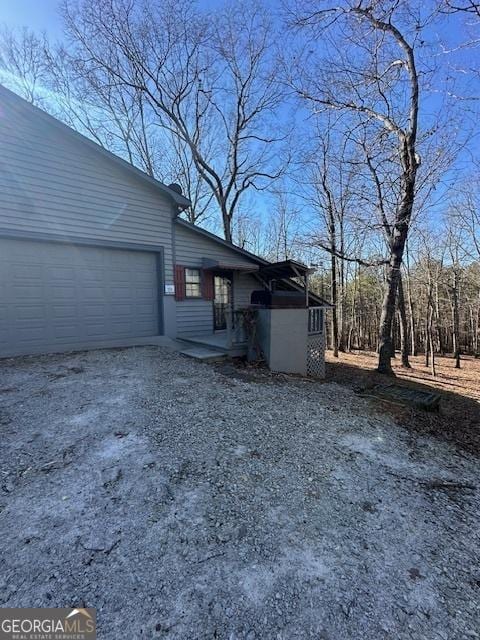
(179, 274)
(207, 285)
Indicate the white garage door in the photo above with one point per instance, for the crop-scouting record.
(56, 296)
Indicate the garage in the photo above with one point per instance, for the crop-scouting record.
(57, 296)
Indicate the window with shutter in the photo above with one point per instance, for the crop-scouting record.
(179, 274)
(207, 285)
(193, 283)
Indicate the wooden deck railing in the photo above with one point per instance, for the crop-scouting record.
(236, 328)
(315, 320)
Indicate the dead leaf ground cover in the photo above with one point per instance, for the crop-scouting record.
(459, 418)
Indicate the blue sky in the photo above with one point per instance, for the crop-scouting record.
(36, 14)
(42, 15)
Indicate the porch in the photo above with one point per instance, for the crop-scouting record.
(282, 322)
(291, 340)
(231, 342)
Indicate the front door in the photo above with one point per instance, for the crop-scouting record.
(222, 300)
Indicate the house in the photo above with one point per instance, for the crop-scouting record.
(93, 252)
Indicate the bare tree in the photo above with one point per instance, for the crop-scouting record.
(331, 194)
(454, 248)
(284, 226)
(370, 88)
(465, 214)
(209, 79)
(462, 6)
(23, 63)
(180, 167)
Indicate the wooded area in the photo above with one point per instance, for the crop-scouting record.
(344, 135)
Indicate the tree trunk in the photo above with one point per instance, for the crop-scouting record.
(477, 330)
(353, 321)
(430, 345)
(403, 325)
(413, 326)
(397, 247)
(227, 222)
(341, 328)
(334, 300)
(441, 346)
(456, 321)
(386, 317)
(350, 336)
(394, 334)
(427, 330)
(399, 237)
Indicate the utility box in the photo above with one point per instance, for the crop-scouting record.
(283, 335)
(292, 340)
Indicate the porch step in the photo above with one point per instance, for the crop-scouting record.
(205, 355)
(211, 342)
(214, 343)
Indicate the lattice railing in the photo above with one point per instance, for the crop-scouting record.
(316, 355)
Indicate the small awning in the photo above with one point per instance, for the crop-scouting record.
(215, 265)
(285, 269)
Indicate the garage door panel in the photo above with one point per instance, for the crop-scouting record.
(118, 294)
(60, 274)
(31, 293)
(95, 293)
(28, 313)
(89, 274)
(21, 272)
(64, 331)
(30, 333)
(60, 296)
(143, 293)
(119, 276)
(145, 309)
(120, 309)
(59, 254)
(64, 312)
(100, 330)
(144, 325)
(92, 311)
(63, 294)
(121, 329)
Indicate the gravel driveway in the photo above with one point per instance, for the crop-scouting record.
(186, 501)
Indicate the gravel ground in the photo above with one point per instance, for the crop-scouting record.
(185, 501)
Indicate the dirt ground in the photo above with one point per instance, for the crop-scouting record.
(458, 420)
(188, 501)
(464, 381)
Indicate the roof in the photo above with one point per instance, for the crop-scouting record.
(209, 265)
(285, 269)
(173, 195)
(218, 240)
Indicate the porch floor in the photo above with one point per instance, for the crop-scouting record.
(217, 341)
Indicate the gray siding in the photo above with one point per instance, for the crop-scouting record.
(51, 182)
(195, 317)
(243, 285)
(191, 247)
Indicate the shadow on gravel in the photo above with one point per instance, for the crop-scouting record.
(457, 422)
